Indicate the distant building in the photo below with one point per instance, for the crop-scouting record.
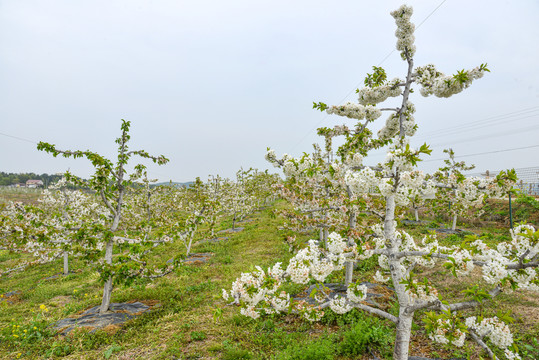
(34, 183)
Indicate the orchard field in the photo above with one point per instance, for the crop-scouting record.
(341, 259)
(192, 321)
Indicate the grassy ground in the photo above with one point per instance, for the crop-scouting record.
(25, 195)
(193, 322)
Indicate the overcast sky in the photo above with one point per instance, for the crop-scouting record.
(211, 84)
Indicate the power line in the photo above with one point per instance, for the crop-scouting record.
(444, 132)
(428, 16)
(19, 138)
(355, 87)
(489, 121)
(489, 136)
(488, 152)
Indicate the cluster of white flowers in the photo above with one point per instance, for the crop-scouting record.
(522, 243)
(465, 193)
(383, 262)
(372, 113)
(250, 312)
(320, 269)
(443, 329)
(405, 30)
(436, 83)
(298, 268)
(469, 193)
(496, 330)
(511, 355)
(379, 277)
(396, 158)
(355, 111)
(271, 157)
(356, 293)
(340, 305)
(463, 261)
(378, 231)
(311, 260)
(417, 185)
(290, 168)
(294, 167)
(257, 290)
(390, 129)
(336, 245)
(378, 94)
(355, 160)
(392, 125)
(421, 293)
(280, 302)
(259, 287)
(310, 313)
(361, 181)
(496, 261)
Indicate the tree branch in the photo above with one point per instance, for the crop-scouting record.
(481, 343)
(370, 309)
(465, 304)
(107, 202)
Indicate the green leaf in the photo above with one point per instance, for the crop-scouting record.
(320, 106)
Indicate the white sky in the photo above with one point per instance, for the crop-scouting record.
(210, 84)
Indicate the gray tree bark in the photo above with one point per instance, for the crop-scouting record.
(349, 270)
(66, 263)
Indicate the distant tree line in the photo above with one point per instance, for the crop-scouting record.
(7, 179)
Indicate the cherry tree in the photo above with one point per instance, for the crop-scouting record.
(511, 265)
(260, 186)
(315, 186)
(215, 193)
(17, 222)
(466, 195)
(111, 182)
(50, 228)
(237, 202)
(197, 206)
(63, 211)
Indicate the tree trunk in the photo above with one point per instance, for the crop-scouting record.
(416, 214)
(349, 270)
(349, 273)
(404, 326)
(454, 226)
(107, 289)
(66, 263)
(402, 338)
(190, 241)
(326, 234)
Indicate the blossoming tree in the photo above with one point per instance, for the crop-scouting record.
(19, 226)
(511, 265)
(111, 182)
(236, 200)
(466, 195)
(50, 228)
